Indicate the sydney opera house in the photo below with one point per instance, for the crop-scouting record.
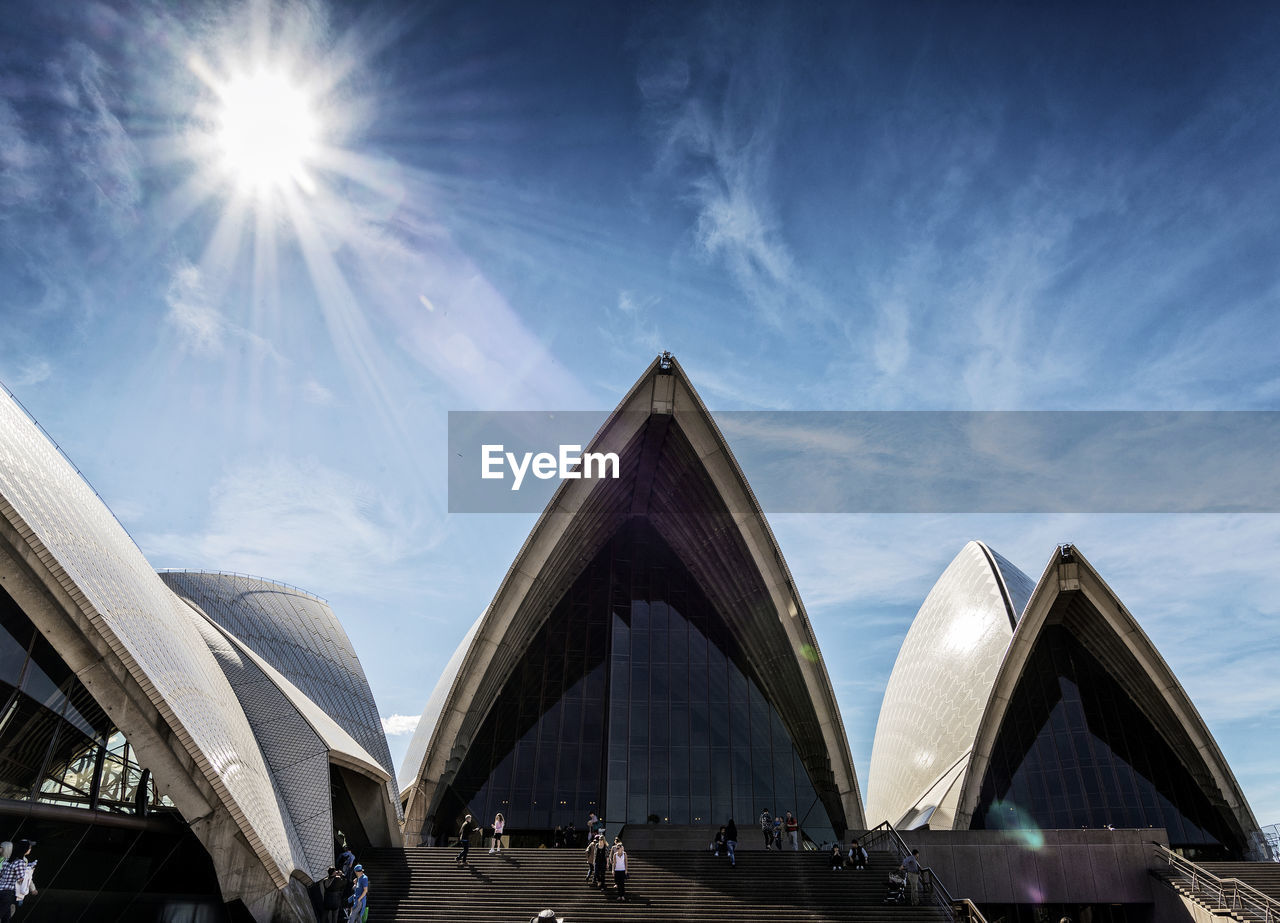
(647, 656)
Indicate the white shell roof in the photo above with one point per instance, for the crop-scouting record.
(940, 684)
(82, 546)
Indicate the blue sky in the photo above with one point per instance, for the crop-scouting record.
(515, 206)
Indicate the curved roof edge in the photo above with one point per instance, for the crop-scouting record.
(993, 559)
(343, 748)
(1164, 701)
(413, 756)
(490, 644)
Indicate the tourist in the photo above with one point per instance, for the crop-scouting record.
(857, 855)
(618, 859)
(333, 887)
(346, 860)
(465, 833)
(766, 827)
(571, 835)
(557, 838)
(793, 831)
(547, 916)
(837, 860)
(731, 841)
(911, 865)
(719, 843)
(777, 832)
(360, 897)
(602, 861)
(12, 876)
(499, 824)
(593, 843)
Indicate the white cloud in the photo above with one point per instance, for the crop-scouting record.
(297, 521)
(316, 393)
(107, 161)
(20, 160)
(399, 725)
(717, 135)
(629, 327)
(32, 371)
(202, 329)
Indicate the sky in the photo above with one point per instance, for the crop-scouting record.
(251, 353)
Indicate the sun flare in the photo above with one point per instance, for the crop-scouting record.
(268, 132)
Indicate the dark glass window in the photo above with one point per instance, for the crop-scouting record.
(1076, 751)
(56, 744)
(691, 738)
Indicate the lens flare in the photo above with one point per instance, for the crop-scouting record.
(1005, 815)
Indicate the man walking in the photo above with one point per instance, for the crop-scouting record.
(766, 827)
(467, 831)
(911, 865)
(360, 898)
(793, 831)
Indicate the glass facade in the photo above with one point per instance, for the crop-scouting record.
(635, 701)
(1075, 751)
(56, 745)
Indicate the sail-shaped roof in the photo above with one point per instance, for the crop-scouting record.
(678, 474)
(1073, 603)
(939, 687)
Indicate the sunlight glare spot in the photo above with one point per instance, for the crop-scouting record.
(268, 132)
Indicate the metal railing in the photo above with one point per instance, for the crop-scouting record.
(958, 910)
(1216, 893)
(1269, 838)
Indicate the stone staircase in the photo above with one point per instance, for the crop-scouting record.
(423, 885)
(1262, 876)
(1265, 876)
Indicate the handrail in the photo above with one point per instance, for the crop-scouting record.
(941, 895)
(1224, 893)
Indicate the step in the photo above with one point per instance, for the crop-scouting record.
(424, 884)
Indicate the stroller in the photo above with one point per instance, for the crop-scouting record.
(896, 888)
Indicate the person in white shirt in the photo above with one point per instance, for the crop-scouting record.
(619, 862)
(14, 875)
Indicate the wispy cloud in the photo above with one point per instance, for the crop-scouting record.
(20, 160)
(298, 521)
(399, 725)
(30, 370)
(95, 141)
(202, 329)
(714, 102)
(316, 393)
(630, 327)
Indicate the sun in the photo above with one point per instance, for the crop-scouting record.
(268, 132)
